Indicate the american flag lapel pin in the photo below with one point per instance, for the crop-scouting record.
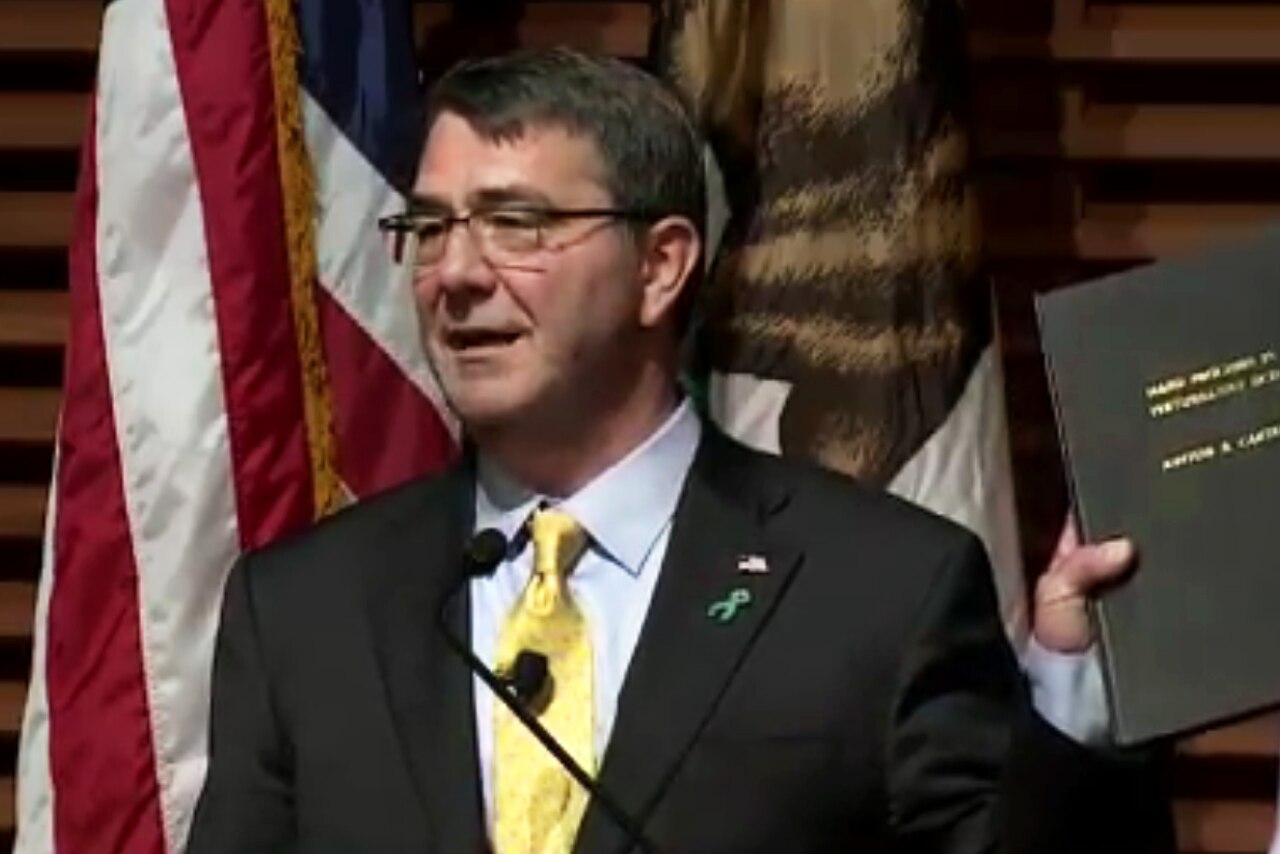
(753, 565)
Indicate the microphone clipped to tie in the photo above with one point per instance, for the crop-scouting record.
(529, 674)
(529, 679)
(526, 686)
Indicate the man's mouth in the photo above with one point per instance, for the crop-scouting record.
(477, 339)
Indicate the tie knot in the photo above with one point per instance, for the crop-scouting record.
(558, 542)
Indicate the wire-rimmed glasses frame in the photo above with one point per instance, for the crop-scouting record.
(503, 235)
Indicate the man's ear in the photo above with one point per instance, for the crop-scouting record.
(668, 255)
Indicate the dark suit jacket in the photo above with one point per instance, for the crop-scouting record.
(866, 701)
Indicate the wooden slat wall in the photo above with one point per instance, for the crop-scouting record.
(1108, 133)
(46, 67)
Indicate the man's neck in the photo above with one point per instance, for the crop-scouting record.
(560, 462)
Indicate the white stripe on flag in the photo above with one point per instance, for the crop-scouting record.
(354, 265)
(162, 353)
(36, 793)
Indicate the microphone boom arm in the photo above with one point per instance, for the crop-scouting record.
(534, 726)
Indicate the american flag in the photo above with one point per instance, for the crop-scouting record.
(243, 359)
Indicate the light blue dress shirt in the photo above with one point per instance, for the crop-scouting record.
(627, 511)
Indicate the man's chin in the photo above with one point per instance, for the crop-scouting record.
(486, 415)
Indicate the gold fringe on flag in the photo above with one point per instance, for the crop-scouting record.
(298, 185)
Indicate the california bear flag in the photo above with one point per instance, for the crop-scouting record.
(845, 318)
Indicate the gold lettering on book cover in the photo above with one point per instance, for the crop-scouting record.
(1211, 383)
(1245, 374)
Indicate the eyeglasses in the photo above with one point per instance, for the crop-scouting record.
(503, 236)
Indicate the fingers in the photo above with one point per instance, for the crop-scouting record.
(1068, 540)
(1088, 567)
(1061, 619)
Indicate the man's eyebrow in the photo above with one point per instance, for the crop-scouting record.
(490, 197)
(516, 194)
(424, 203)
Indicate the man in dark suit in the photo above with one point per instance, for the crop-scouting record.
(748, 654)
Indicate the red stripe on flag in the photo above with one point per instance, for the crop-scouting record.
(224, 68)
(101, 754)
(388, 431)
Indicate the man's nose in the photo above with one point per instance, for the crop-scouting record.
(462, 266)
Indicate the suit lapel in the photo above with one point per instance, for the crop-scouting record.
(429, 691)
(685, 657)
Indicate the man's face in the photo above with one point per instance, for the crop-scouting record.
(523, 340)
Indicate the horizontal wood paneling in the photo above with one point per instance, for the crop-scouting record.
(1130, 233)
(21, 511)
(49, 27)
(1223, 826)
(31, 318)
(28, 415)
(13, 697)
(35, 220)
(17, 606)
(1145, 132)
(41, 121)
(1113, 134)
(1257, 738)
(1129, 33)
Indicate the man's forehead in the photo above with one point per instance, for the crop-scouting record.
(542, 157)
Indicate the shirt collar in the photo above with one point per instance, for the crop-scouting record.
(624, 508)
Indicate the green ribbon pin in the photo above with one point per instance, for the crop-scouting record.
(725, 610)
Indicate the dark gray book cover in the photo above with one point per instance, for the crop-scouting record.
(1166, 386)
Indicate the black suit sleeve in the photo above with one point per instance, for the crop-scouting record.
(974, 769)
(247, 802)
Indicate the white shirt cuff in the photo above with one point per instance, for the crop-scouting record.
(1067, 691)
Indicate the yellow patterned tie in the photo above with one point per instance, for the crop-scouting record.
(538, 805)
